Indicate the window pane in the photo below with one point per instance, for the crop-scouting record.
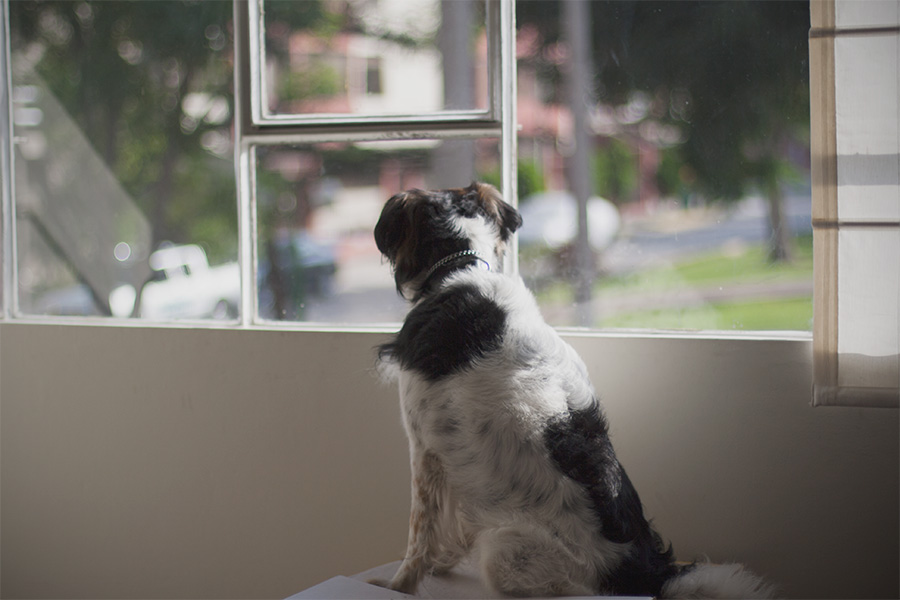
(696, 160)
(124, 177)
(317, 208)
(378, 57)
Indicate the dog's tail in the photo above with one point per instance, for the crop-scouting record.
(707, 580)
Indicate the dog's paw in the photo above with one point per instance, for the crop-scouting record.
(398, 586)
(379, 582)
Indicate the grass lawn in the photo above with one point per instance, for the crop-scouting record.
(738, 270)
(773, 315)
(740, 264)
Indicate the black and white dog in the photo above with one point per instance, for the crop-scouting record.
(509, 446)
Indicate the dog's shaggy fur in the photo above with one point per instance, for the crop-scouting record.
(509, 446)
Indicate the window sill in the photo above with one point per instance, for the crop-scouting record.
(387, 328)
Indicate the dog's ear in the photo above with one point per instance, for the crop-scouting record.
(398, 235)
(510, 221)
(507, 218)
(393, 226)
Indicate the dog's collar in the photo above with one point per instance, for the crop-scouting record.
(451, 257)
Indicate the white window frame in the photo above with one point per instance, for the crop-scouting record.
(9, 281)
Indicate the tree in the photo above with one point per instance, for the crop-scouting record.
(732, 75)
(123, 71)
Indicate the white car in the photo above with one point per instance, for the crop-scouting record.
(183, 286)
(551, 219)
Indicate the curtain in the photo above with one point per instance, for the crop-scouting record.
(855, 154)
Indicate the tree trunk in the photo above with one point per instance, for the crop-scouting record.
(780, 237)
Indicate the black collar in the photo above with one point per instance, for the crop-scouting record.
(464, 255)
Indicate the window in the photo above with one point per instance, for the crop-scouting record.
(120, 199)
(319, 59)
(689, 218)
(373, 76)
(316, 206)
(695, 175)
(162, 173)
(345, 104)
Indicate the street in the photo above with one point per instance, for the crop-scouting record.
(364, 289)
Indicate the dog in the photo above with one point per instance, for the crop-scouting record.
(509, 445)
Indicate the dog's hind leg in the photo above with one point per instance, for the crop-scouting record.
(527, 560)
(430, 546)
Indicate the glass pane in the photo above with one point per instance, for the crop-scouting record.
(317, 208)
(694, 161)
(376, 57)
(124, 178)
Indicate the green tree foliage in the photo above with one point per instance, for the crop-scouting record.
(529, 179)
(732, 75)
(123, 71)
(615, 172)
(735, 73)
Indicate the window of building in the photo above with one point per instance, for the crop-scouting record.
(233, 167)
(373, 76)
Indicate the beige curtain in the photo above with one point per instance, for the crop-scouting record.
(855, 85)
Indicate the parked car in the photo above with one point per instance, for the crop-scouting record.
(551, 219)
(294, 269)
(183, 286)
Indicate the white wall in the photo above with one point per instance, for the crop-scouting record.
(193, 464)
(232, 464)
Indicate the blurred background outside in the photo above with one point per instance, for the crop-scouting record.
(678, 131)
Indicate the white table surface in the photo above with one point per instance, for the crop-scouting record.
(462, 582)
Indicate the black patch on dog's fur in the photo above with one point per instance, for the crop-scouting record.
(579, 445)
(446, 332)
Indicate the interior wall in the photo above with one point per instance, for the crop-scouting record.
(178, 463)
(160, 463)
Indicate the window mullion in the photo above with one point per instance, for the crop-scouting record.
(302, 135)
(255, 37)
(243, 161)
(10, 289)
(247, 234)
(508, 117)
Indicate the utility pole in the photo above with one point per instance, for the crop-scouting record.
(456, 158)
(576, 21)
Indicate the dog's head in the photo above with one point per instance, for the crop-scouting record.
(418, 228)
